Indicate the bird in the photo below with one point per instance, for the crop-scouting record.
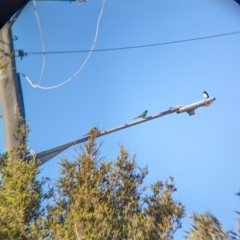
(205, 95)
(142, 115)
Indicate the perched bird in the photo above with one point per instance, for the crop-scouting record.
(142, 115)
(205, 95)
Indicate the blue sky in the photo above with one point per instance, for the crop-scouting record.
(202, 151)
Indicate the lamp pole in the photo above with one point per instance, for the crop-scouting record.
(190, 109)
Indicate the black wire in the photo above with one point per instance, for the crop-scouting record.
(138, 46)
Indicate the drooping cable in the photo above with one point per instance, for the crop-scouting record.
(74, 75)
(30, 150)
(42, 40)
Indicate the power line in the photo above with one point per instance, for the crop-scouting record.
(22, 54)
(137, 46)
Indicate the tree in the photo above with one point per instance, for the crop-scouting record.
(206, 227)
(99, 199)
(21, 193)
(234, 235)
(93, 198)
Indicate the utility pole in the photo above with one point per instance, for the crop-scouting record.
(10, 89)
(11, 98)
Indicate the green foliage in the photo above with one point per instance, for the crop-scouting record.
(234, 235)
(97, 199)
(93, 198)
(163, 213)
(206, 227)
(20, 193)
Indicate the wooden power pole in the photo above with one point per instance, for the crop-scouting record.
(10, 88)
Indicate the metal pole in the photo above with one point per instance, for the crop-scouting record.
(49, 154)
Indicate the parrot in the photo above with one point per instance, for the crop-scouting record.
(205, 95)
(142, 115)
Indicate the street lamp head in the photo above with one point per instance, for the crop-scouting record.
(191, 112)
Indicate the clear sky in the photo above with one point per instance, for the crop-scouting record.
(202, 151)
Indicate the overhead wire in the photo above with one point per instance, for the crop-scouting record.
(138, 46)
(97, 50)
(74, 75)
(30, 150)
(42, 40)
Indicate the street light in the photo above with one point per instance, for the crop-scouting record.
(190, 109)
